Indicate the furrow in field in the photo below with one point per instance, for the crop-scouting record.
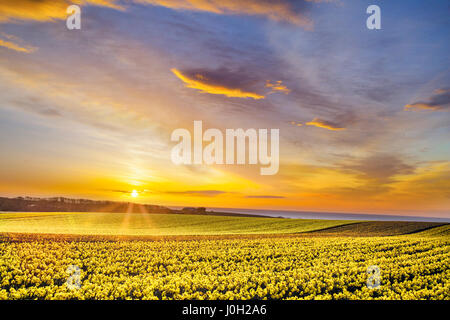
(379, 228)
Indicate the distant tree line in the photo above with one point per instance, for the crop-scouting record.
(61, 204)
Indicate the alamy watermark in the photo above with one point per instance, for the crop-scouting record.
(373, 22)
(219, 151)
(74, 280)
(374, 279)
(74, 20)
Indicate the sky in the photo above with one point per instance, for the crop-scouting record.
(363, 114)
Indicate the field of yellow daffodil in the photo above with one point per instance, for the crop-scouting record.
(323, 267)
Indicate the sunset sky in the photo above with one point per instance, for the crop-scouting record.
(363, 114)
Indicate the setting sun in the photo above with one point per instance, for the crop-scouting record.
(134, 193)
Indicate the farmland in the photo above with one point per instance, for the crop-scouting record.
(194, 258)
(141, 224)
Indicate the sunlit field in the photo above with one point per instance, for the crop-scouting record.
(141, 224)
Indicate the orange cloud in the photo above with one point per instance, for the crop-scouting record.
(202, 83)
(277, 86)
(274, 10)
(421, 105)
(440, 100)
(324, 124)
(49, 10)
(11, 44)
(44, 10)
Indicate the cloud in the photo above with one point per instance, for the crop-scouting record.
(265, 197)
(380, 167)
(116, 191)
(295, 123)
(37, 106)
(439, 101)
(281, 10)
(12, 45)
(429, 182)
(362, 177)
(50, 10)
(220, 81)
(277, 86)
(325, 124)
(207, 193)
(376, 173)
(44, 10)
(145, 191)
(387, 178)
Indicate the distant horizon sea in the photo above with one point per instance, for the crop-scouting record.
(328, 215)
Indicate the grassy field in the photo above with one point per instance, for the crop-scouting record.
(141, 224)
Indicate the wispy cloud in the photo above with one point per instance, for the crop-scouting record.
(132, 188)
(281, 10)
(44, 10)
(440, 100)
(378, 167)
(431, 182)
(207, 193)
(277, 86)
(221, 81)
(325, 124)
(265, 197)
(49, 10)
(296, 123)
(12, 45)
